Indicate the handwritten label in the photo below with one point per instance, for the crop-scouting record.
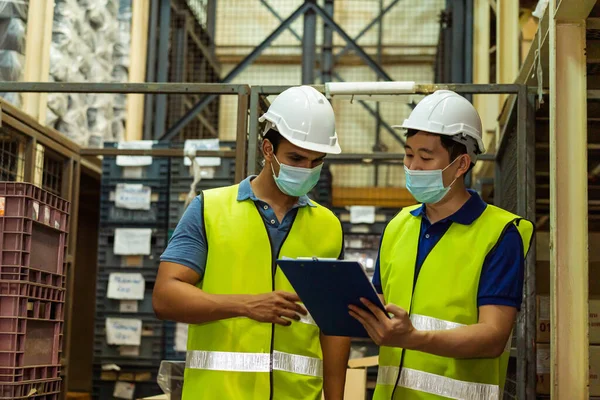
(133, 196)
(2, 206)
(124, 390)
(135, 161)
(362, 214)
(124, 331)
(127, 286)
(128, 306)
(202, 144)
(131, 242)
(181, 334)
(543, 360)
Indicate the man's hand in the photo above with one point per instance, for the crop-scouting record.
(273, 307)
(394, 332)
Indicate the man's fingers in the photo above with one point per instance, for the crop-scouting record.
(282, 321)
(372, 332)
(365, 315)
(293, 297)
(289, 314)
(375, 310)
(394, 309)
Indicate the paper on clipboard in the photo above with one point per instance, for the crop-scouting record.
(135, 161)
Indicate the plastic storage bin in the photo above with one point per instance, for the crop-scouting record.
(47, 389)
(170, 352)
(112, 306)
(108, 258)
(110, 214)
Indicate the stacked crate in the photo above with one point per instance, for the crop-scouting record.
(128, 344)
(33, 242)
(180, 186)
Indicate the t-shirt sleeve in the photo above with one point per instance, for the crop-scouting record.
(188, 245)
(501, 281)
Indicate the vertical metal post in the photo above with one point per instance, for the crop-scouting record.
(468, 45)
(163, 66)
(211, 21)
(309, 43)
(253, 133)
(30, 160)
(568, 204)
(530, 262)
(241, 145)
(377, 146)
(458, 42)
(327, 49)
(151, 69)
(521, 137)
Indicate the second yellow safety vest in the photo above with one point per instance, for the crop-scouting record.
(444, 297)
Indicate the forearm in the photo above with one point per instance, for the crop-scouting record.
(336, 350)
(180, 301)
(473, 341)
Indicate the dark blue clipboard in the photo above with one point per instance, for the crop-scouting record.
(327, 287)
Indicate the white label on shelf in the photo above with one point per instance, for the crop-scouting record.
(543, 360)
(132, 242)
(47, 215)
(124, 390)
(133, 172)
(133, 196)
(124, 331)
(2, 206)
(131, 351)
(36, 210)
(135, 161)
(128, 306)
(126, 286)
(544, 308)
(362, 214)
(181, 334)
(202, 144)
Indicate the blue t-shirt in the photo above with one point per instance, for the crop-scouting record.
(188, 245)
(501, 281)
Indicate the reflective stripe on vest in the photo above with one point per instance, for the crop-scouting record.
(425, 323)
(254, 362)
(438, 385)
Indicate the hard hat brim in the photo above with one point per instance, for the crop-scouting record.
(321, 148)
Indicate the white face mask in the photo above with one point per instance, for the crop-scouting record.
(427, 186)
(296, 181)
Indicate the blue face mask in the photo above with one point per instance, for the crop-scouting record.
(295, 181)
(427, 186)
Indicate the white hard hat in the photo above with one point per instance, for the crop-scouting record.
(304, 116)
(447, 113)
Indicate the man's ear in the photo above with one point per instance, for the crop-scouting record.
(268, 150)
(464, 164)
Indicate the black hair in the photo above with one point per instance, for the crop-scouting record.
(274, 137)
(454, 148)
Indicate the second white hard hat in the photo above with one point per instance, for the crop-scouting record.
(304, 117)
(446, 113)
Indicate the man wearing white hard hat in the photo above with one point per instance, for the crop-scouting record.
(450, 269)
(249, 338)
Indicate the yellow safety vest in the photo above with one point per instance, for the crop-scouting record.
(239, 358)
(444, 297)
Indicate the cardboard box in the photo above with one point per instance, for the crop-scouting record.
(543, 320)
(543, 369)
(356, 377)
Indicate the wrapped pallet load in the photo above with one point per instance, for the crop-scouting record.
(13, 22)
(90, 43)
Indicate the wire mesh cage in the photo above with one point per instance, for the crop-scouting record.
(184, 53)
(12, 159)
